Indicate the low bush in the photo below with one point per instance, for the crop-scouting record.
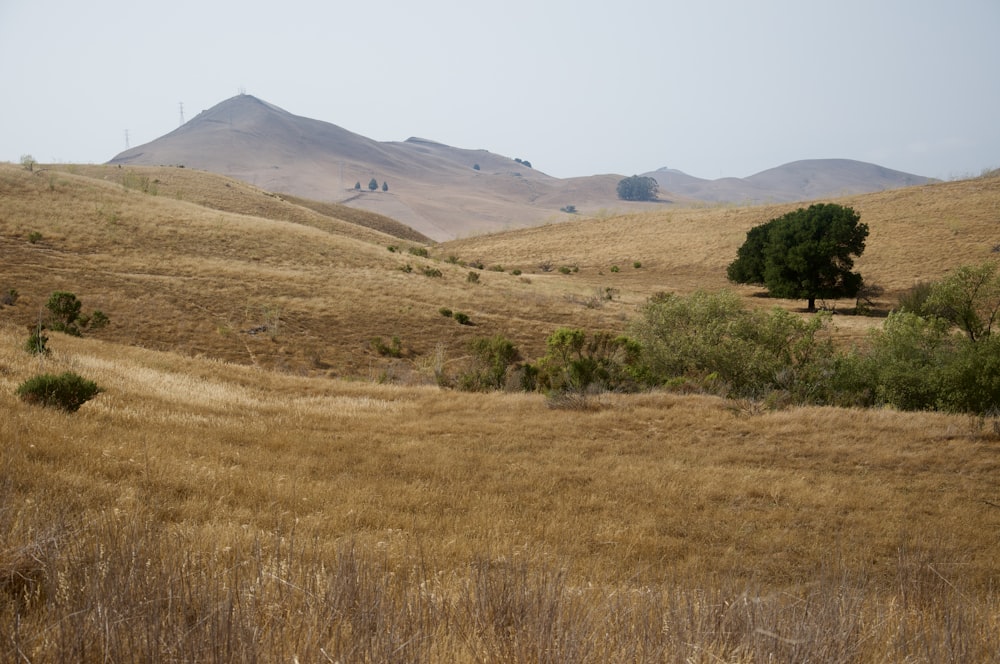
(463, 319)
(67, 391)
(65, 315)
(392, 349)
(36, 344)
(472, 277)
(492, 358)
(751, 352)
(445, 311)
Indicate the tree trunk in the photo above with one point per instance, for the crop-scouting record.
(812, 304)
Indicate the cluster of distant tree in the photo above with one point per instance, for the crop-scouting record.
(372, 185)
(637, 188)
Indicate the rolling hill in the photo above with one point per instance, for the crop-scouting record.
(804, 180)
(437, 189)
(187, 260)
(257, 482)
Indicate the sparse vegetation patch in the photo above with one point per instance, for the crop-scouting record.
(67, 391)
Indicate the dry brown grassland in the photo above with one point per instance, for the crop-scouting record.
(208, 507)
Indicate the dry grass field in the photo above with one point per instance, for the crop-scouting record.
(290, 495)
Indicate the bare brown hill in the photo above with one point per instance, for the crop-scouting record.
(445, 192)
(201, 264)
(433, 188)
(804, 180)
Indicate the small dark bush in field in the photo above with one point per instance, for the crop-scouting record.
(516, 273)
(419, 251)
(392, 349)
(65, 315)
(463, 319)
(492, 359)
(392, 248)
(637, 265)
(67, 391)
(445, 311)
(565, 269)
(472, 277)
(65, 310)
(431, 271)
(36, 343)
(914, 300)
(615, 268)
(34, 237)
(9, 298)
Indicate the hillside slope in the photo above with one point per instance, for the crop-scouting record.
(205, 265)
(432, 187)
(803, 180)
(445, 192)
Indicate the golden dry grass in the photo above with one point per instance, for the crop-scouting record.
(206, 507)
(642, 492)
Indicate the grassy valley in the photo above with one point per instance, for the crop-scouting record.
(256, 481)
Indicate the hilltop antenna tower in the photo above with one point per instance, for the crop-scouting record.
(182, 111)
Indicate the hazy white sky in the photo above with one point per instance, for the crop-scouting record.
(578, 87)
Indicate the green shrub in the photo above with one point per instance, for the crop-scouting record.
(64, 310)
(751, 351)
(637, 265)
(575, 362)
(565, 269)
(36, 343)
(67, 391)
(917, 363)
(65, 315)
(516, 273)
(392, 349)
(431, 271)
(34, 237)
(10, 297)
(472, 277)
(445, 311)
(463, 319)
(419, 251)
(615, 268)
(915, 299)
(97, 320)
(492, 357)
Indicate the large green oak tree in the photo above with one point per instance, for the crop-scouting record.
(805, 254)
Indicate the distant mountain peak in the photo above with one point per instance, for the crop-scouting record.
(802, 180)
(443, 191)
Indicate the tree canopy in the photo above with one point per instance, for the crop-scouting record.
(805, 254)
(637, 188)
